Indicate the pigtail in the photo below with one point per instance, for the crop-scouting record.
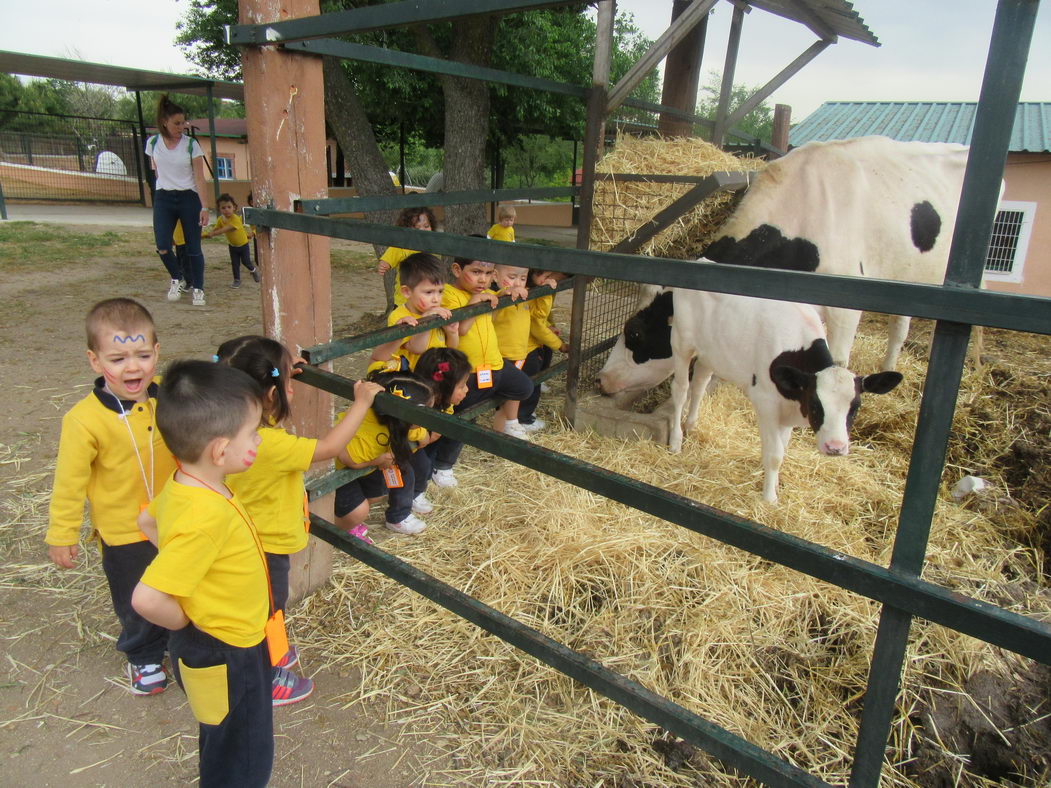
(410, 387)
(443, 367)
(268, 363)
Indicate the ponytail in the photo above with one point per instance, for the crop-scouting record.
(165, 109)
(412, 388)
(268, 363)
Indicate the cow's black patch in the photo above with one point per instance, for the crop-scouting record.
(926, 224)
(794, 373)
(648, 333)
(766, 247)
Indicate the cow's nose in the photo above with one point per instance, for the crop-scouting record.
(836, 448)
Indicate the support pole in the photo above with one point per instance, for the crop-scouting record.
(733, 43)
(216, 190)
(682, 73)
(285, 109)
(782, 125)
(594, 133)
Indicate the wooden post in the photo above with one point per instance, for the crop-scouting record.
(733, 43)
(285, 109)
(782, 124)
(682, 72)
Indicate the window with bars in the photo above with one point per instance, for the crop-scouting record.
(224, 168)
(1009, 241)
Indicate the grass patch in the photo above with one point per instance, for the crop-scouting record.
(26, 245)
(347, 260)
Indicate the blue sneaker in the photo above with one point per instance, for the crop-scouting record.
(289, 688)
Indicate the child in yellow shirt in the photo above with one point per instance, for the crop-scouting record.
(228, 223)
(512, 333)
(544, 340)
(208, 583)
(504, 229)
(418, 219)
(272, 489)
(422, 283)
(110, 453)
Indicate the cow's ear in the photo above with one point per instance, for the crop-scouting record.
(881, 382)
(790, 382)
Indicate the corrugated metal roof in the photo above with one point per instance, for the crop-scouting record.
(838, 16)
(104, 74)
(923, 121)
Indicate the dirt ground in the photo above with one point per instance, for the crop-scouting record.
(65, 715)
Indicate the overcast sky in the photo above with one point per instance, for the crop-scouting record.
(932, 50)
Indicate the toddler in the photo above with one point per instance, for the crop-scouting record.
(418, 219)
(229, 223)
(544, 339)
(504, 229)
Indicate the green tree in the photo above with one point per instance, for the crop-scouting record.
(757, 123)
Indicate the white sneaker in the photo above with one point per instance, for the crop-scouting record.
(421, 505)
(536, 426)
(184, 287)
(410, 525)
(544, 388)
(198, 297)
(443, 477)
(174, 291)
(515, 430)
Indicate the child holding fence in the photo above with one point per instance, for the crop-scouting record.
(512, 333)
(544, 339)
(418, 219)
(389, 446)
(272, 489)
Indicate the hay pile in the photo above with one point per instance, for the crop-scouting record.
(622, 206)
(772, 655)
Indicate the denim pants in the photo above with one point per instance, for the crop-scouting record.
(170, 206)
(142, 642)
(414, 478)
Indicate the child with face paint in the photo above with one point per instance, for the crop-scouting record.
(111, 454)
(272, 488)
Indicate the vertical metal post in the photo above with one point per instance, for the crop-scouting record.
(3, 205)
(211, 130)
(401, 155)
(143, 158)
(1001, 86)
(593, 138)
(733, 44)
(139, 145)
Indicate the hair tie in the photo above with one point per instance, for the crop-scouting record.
(397, 392)
(274, 373)
(439, 374)
(215, 359)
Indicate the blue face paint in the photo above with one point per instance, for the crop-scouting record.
(126, 340)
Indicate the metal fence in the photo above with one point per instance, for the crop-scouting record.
(899, 587)
(69, 158)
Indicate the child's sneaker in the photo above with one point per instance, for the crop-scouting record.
(443, 477)
(291, 658)
(149, 679)
(255, 273)
(359, 531)
(198, 297)
(514, 429)
(421, 505)
(174, 291)
(545, 389)
(288, 688)
(410, 525)
(235, 283)
(534, 426)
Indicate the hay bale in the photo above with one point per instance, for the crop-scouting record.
(622, 206)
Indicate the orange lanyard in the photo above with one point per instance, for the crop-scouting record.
(251, 530)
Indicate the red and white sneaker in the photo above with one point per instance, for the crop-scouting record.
(149, 679)
(288, 688)
(291, 658)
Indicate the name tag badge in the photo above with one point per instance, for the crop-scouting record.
(485, 377)
(392, 476)
(520, 363)
(276, 636)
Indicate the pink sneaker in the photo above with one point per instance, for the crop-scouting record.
(360, 532)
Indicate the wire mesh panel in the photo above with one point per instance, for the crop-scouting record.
(608, 305)
(66, 157)
(1007, 229)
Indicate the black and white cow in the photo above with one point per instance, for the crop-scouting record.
(774, 351)
(868, 206)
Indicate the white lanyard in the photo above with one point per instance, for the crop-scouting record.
(148, 483)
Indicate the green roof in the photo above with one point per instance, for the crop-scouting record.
(923, 121)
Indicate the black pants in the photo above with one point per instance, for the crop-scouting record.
(142, 642)
(538, 359)
(240, 255)
(509, 382)
(399, 499)
(235, 749)
(279, 565)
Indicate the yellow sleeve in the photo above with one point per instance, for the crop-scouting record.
(394, 255)
(540, 331)
(77, 450)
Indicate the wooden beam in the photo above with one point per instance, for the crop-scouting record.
(285, 109)
(682, 75)
(806, 16)
(733, 44)
(679, 29)
(781, 78)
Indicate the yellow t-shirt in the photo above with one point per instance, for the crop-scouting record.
(540, 332)
(435, 338)
(237, 237)
(512, 330)
(97, 461)
(272, 490)
(480, 343)
(210, 560)
(500, 233)
(372, 439)
(394, 255)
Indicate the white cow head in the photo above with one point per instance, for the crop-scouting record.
(641, 359)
